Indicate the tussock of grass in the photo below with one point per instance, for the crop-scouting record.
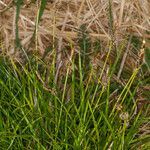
(79, 115)
(74, 75)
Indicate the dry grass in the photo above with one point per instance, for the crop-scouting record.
(60, 28)
(62, 19)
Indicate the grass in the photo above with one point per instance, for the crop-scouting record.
(83, 116)
(87, 107)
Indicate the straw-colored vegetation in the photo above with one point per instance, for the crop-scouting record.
(74, 74)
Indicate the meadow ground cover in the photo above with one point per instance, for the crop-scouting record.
(74, 74)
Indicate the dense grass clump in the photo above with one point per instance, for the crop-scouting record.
(34, 115)
(65, 83)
